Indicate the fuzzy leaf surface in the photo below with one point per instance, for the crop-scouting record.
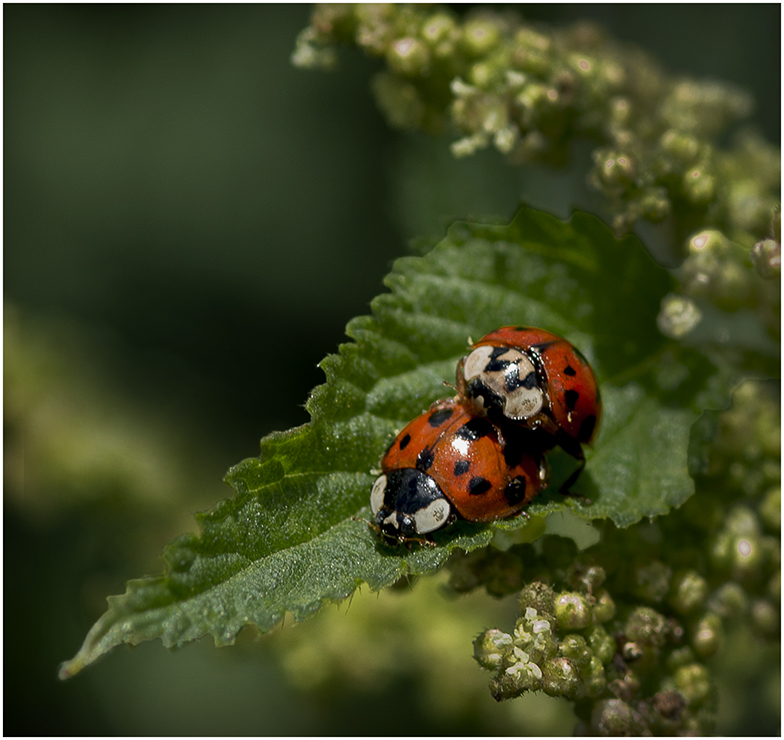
(286, 541)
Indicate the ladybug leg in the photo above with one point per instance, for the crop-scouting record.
(408, 541)
(575, 449)
(570, 481)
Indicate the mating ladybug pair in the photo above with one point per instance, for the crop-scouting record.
(481, 455)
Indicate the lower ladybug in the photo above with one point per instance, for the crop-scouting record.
(537, 380)
(450, 462)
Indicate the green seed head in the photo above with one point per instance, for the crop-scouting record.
(604, 608)
(491, 647)
(572, 611)
(560, 678)
(652, 581)
(647, 626)
(689, 591)
(602, 645)
(693, 682)
(707, 635)
(576, 649)
(408, 56)
(480, 36)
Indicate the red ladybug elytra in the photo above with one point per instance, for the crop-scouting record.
(449, 460)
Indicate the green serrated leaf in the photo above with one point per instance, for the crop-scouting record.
(287, 540)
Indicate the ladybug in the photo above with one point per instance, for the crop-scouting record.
(449, 462)
(537, 380)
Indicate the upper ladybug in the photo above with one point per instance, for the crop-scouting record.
(536, 379)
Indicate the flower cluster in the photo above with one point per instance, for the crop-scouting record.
(625, 628)
(530, 91)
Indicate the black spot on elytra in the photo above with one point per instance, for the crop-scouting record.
(571, 398)
(515, 491)
(437, 418)
(478, 486)
(513, 452)
(461, 467)
(475, 429)
(404, 442)
(569, 370)
(425, 459)
(586, 428)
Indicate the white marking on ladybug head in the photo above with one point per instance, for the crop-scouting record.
(527, 398)
(377, 494)
(475, 362)
(432, 516)
(392, 520)
(504, 377)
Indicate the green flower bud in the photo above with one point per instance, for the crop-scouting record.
(375, 29)
(480, 35)
(505, 139)
(693, 682)
(572, 611)
(594, 681)
(491, 647)
(576, 649)
(614, 718)
(408, 56)
(765, 618)
(481, 74)
(680, 145)
(531, 52)
(614, 168)
(748, 204)
(604, 608)
(586, 578)
(310, 54)
(540, 597)
(559, 678)
(678, 316)
(699, 185)
(531, 100)
(652, 581)
(766, 256)
(655, 206)
(680, 657)
(646, 625)
(602, 644)
(709, 241)
(729, 600)
(620, 111)
(437, 28)
(689, 591)
(707, 635)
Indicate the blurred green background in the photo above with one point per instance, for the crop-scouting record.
(189, 224)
